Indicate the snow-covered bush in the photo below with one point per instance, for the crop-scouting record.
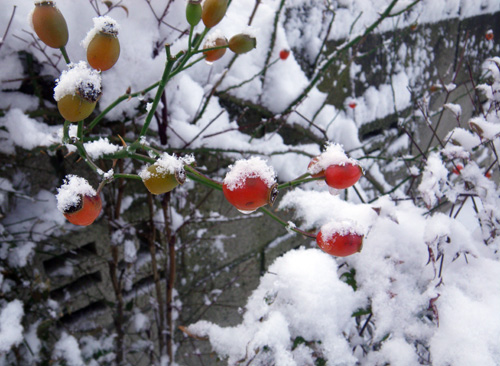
(423, 289)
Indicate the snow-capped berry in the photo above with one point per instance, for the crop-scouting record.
(343, 176)
(489, 35)
(213, 11)
(352, 105)
(49, 24)
(215, 40)
(77, 92)
(166, 174)
(101, 43)
(193, 12)
(159, 181)
(340, 239)
(242, 43)
(250, 184)
(334, 156)
(78, 201)
(284, 54)
(85, 213)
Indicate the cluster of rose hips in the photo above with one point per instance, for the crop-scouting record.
(249, 185)
(78, 96)
(215, 46)
(79, 87)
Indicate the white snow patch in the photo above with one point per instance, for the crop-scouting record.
(70, 193)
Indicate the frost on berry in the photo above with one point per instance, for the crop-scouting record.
(341, 228)
(69, 195)
(254, 167)
(78, 79)
(210, 40)
(168, 164)
(102, 24)
(333, 155)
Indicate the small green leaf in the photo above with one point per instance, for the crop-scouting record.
(349, 278)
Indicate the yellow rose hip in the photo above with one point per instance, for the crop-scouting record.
(102, 44)
(49, 24)
(213, 11)
(77, 92)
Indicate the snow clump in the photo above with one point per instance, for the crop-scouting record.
(168, 164)
(254, 167)
(333, 155)
(102, 24)
(78, 79)
(70, 193)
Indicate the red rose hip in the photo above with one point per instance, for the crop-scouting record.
(86, 212)
(343, 175)
(339, 243)
(250, 184)
(254, 193)
(284, 54)
(78, 201)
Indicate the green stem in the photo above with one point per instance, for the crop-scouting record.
(161, 87)
(65, 54)
(127, 176)
(210, 49)
(177, 70)
(195, 175)
(140, 157)
(285, 224)
(83, 154)
(79, 133)
(66, 132)
(190, 52)
(190, 39)
(116, 102)
(298, 181)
